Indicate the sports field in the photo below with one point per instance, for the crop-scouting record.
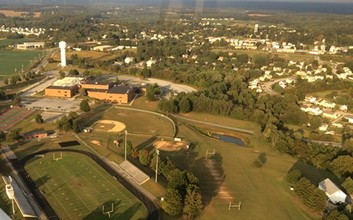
(76, 187)
(13, 59)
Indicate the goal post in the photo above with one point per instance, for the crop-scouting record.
(57, 158)
(108, 212)
(232, 205)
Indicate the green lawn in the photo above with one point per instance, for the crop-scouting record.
(76, 187)
(230, 176)
(14, 59)
(7, 42)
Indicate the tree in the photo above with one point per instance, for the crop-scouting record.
(16, 100)
(2, 135)
(75, 126)
(311, 196)
(74, 72)
(342, 165)
(2, 94)
(293, 176)
(65, 123)
(84, 106)
(82, 92)
(172, 202)
(129, 147)
(193, 201)
(62, 74)
(143, 157)
(13, 135)
(39, 119)
(348, 185)
(336, 215)
(184, 105)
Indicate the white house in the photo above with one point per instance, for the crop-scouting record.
(334, 194)
(330, 114)
(349, 118)
(129, 60)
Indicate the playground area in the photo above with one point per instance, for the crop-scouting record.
(171, 145)
(109, 126)
(10, 117)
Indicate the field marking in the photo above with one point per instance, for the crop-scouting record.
(51, 192)
(114, 186)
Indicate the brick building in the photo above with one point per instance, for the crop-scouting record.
(116, 93)
(111, 92)
(61, 91)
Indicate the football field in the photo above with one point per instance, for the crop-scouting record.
(76, 187)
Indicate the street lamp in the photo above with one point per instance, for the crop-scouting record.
(156, 178)
(125, 144)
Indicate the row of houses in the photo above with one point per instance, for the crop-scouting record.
(111, 92)
(25, 31)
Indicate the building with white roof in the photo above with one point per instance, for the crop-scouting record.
(334, 194)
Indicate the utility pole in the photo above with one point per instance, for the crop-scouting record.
(156, 178)
(125, 145)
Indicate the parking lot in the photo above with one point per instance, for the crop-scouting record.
(51, 104)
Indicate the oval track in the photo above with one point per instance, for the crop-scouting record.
(153, 212)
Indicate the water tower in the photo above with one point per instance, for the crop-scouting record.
(62, 46)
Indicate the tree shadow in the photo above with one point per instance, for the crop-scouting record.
(98, 212)
(146, 143)
(211, 176)
(315, 175)
(25, 151)
(42, 181)
(128, 213)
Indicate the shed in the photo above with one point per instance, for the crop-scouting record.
(334, 194)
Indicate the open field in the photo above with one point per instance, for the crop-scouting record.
(13, 59)
(222, 120)
(6, 42)
(92, 55)
(13, 13)
(77, 187)
(230, 176)
(12, 116)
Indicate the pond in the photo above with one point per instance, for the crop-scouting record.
(230, 139)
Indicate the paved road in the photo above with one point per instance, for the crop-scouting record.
(163, 83)
(267, 86)
(215, 125)
(31, 90)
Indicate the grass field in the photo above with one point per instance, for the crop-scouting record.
(5, 42)
(230, 176)
(76, 187)
(140, 122)
(13, 59)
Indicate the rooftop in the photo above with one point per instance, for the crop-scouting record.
(68, 81)
(328, 186)
(119, 89)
